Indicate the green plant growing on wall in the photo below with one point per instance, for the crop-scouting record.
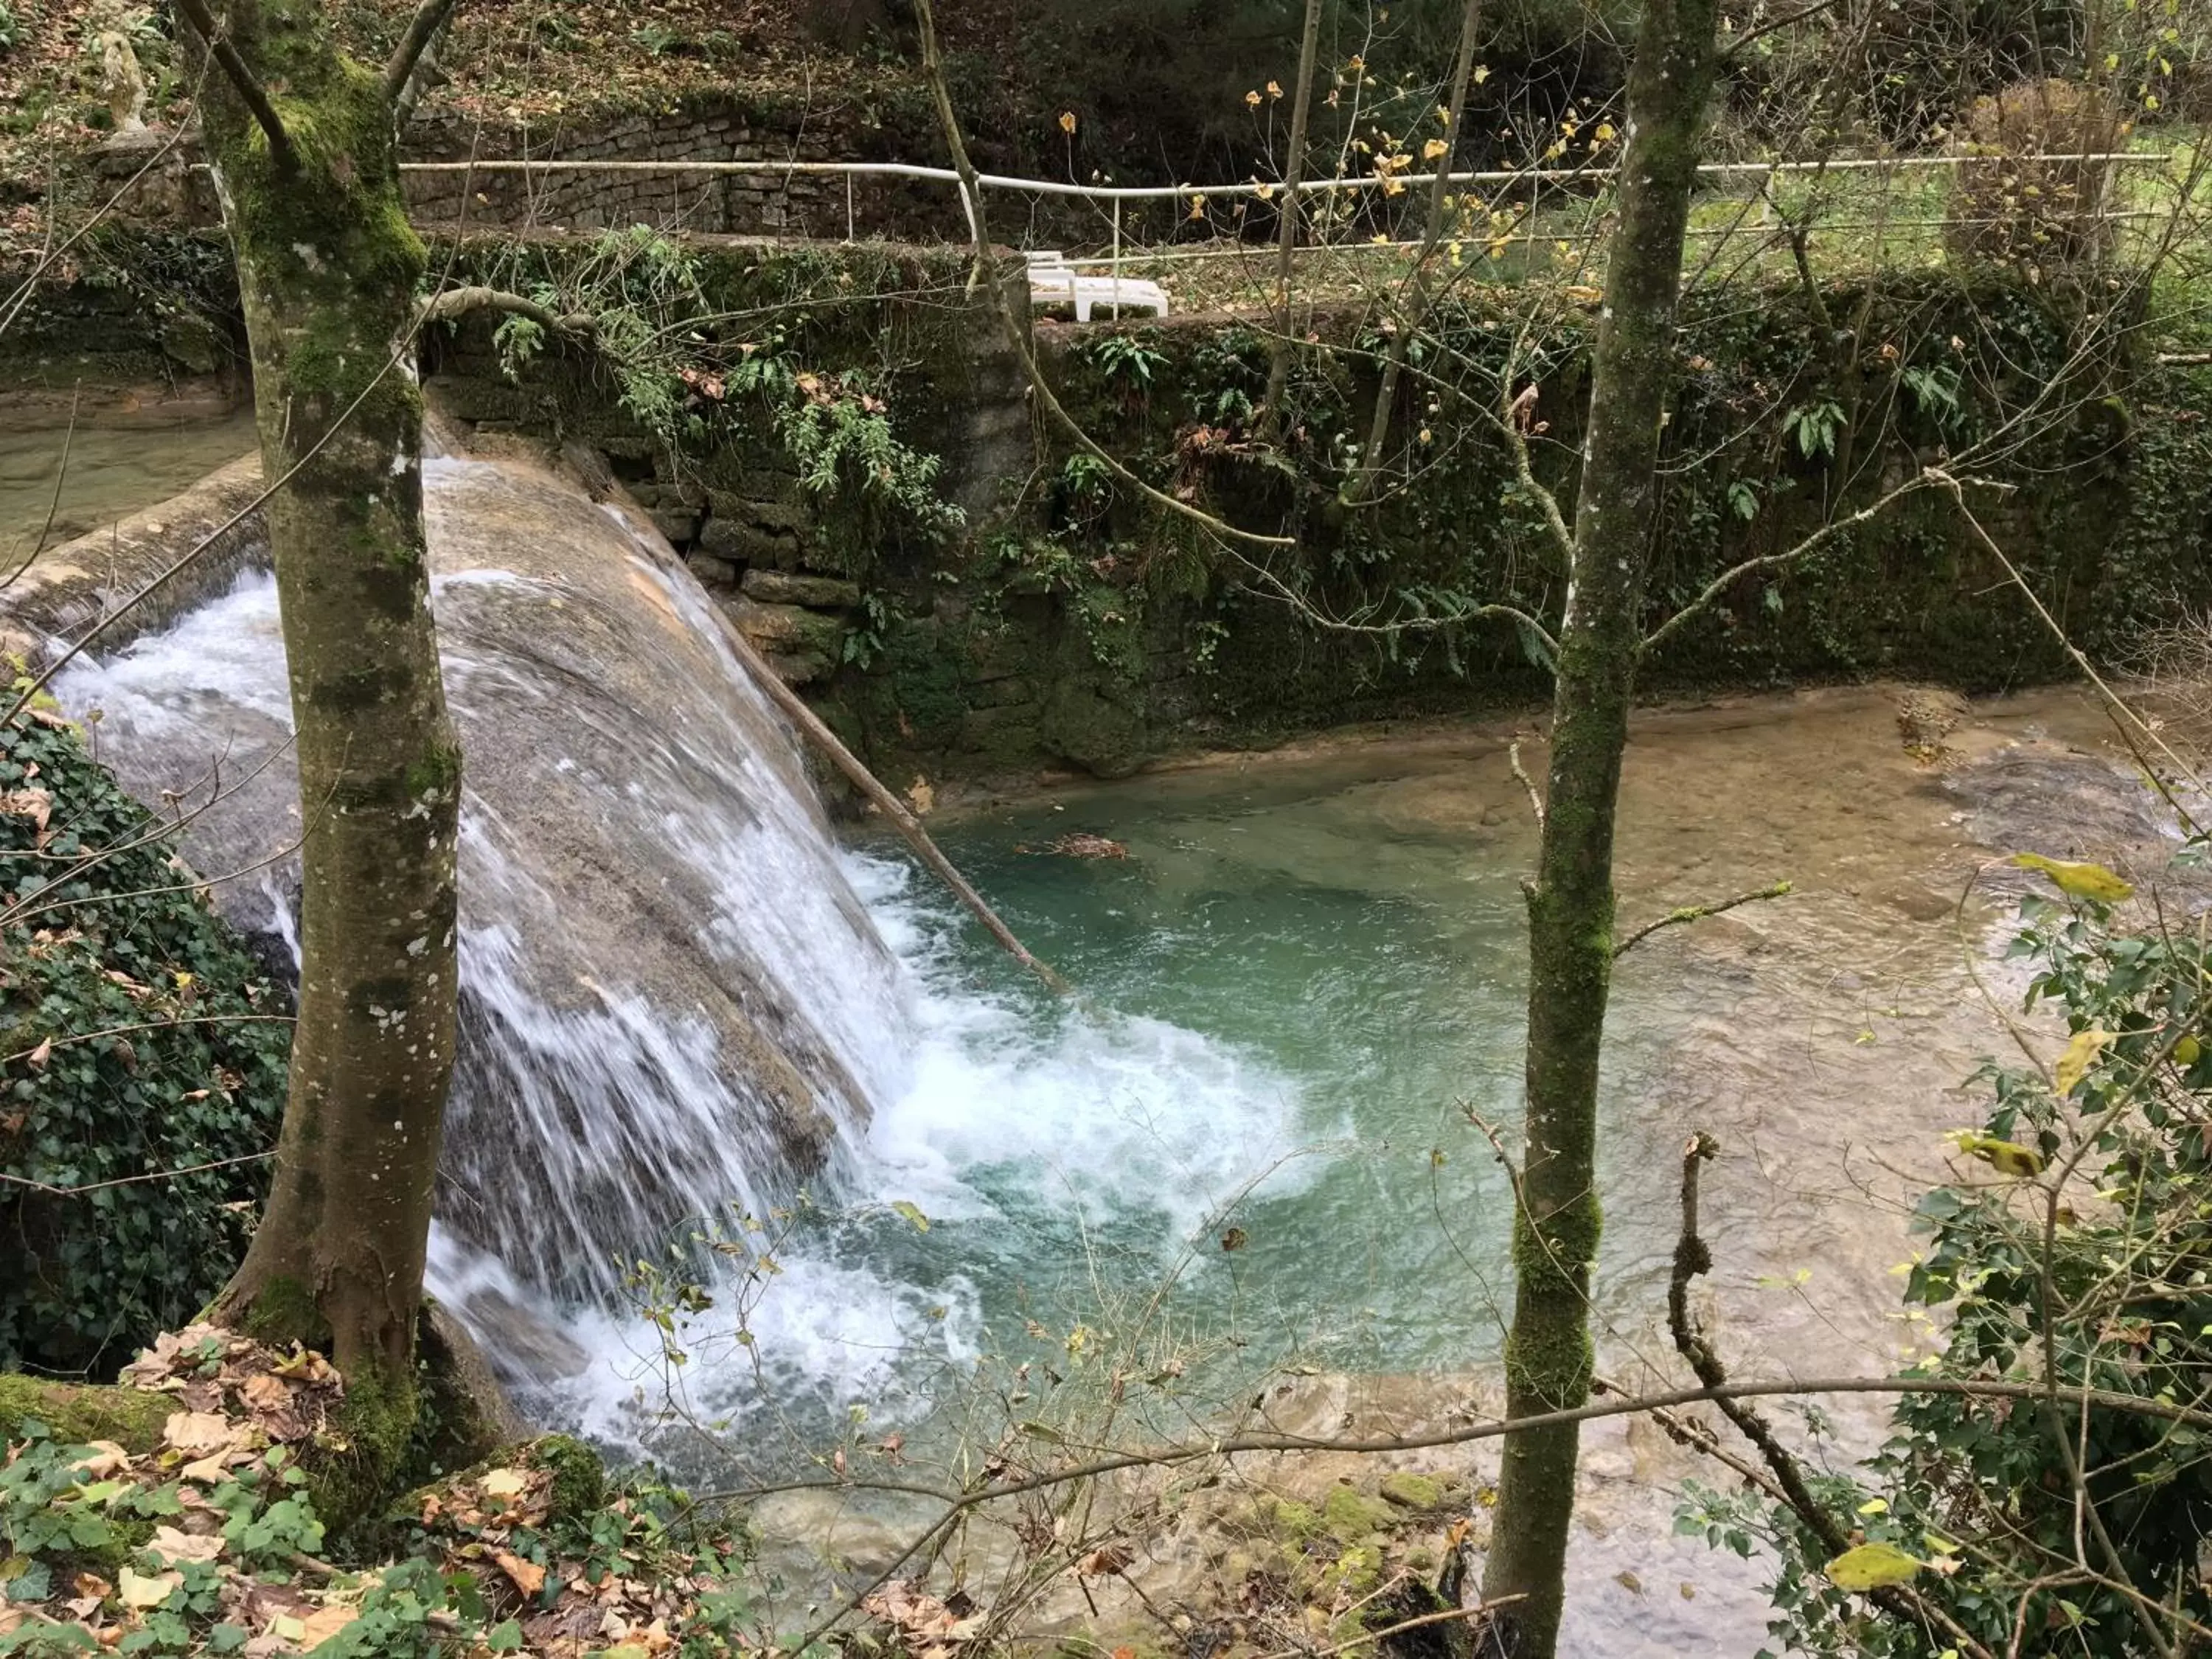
(1815, 427)
(1126, 361)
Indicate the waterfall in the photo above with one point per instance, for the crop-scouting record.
(674, 1008)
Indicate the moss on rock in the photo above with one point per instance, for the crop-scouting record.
(79, 1414)
(1421, 1493)
(1350, 1514)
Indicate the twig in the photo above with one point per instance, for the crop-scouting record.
(908, 826)
(1287, 232)
(129, 1180)
(1692, 1258)
(1813, 543)
(1697, 912)
(1535, 801)
(148, 1025)
(242, 78)
(2130, 723)
(54, 504)
(1782, 22)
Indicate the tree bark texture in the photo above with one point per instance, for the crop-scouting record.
(328, 268)
(1570, 902)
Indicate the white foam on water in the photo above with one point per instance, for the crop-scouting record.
(1118, 1114)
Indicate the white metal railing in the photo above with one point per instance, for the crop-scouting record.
(1117, 194)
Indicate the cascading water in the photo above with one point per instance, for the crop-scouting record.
(677, 1009)
(672, 999)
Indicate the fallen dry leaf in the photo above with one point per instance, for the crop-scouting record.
(529, 1578)
(198, 1433)
(104, 1458)
(139, 1591)
(172, 1545)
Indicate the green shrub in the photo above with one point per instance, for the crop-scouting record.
(137, 1037)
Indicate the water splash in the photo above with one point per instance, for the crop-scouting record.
(681, 1003)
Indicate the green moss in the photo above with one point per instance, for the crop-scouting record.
(354, 1468)
(1351, 1515)
(78, 1414)
(281, 1312)
(580, 1479)
(1422, 1493)
(1291, 1521)
(1356, 1571)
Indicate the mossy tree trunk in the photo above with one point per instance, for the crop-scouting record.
(301, 143)
(1570, 902)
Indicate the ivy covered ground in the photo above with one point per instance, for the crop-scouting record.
(208, 1533)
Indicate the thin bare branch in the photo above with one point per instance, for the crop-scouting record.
(986, 272)
(242, 79)
(1698, 912)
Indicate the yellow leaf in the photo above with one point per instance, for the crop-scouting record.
(2186, 1050)
(2007, 1158)
(1481, 74)
(1433, 149)
(1871, 1566)
(1067, 122)
(2081, 1054)
(1273, 91)
(139, 1591)
(2084, 881)
(503, 1483)
(1252, 99)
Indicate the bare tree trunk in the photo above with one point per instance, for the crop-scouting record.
(1294, 165)
(1571, 903)
(1415, 310)
(327, 268)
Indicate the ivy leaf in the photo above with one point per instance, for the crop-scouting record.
(1872, 1566)
(2083, 881)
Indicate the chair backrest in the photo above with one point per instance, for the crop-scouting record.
(1045, 259)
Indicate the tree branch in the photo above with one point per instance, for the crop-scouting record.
(1813, 543)
(971, 191)
(459, 301)
(811, 725)
(422, 30)
(242, 78)
(1697, 912)
(1781, 23)
(1692, 1258)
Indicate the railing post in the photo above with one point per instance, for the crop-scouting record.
(1117, 258)
(849, 207)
